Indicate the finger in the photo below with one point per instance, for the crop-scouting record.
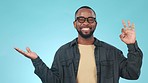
(124, 24)
(133, 26)
(128, 23)
(124, 30)
(122, 36)
(28, 49)
(20, 51)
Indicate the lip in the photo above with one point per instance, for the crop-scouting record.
(85, 29)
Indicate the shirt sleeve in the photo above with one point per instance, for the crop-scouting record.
(43, 72)
(130, 67)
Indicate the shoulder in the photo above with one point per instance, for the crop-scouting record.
(66, 46)
(106, 46)
(64, 52)
(109, 49)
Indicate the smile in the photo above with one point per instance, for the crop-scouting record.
(85, 29)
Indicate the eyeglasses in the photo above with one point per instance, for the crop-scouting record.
(83, 19)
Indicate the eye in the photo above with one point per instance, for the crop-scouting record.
(91, 19)
(81, 19)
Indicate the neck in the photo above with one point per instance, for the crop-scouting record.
(88, 41)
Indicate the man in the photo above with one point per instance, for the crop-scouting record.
(89, 60)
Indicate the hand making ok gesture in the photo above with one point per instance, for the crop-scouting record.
(128, 34)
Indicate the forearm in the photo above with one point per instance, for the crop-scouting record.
(130, 67)
(134, 55)
(43, 72)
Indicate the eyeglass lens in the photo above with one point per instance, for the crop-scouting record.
(83, 19)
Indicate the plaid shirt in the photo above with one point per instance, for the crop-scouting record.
(110, 63)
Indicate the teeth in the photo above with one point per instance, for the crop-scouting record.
(85, 28)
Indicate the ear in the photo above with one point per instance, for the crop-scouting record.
(74, 23)
(96, 23)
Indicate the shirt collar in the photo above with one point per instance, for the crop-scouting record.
(96, 42)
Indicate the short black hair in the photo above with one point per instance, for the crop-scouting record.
(87, 7)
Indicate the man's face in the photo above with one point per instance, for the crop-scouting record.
(85, 23)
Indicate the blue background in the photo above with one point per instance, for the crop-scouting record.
(45, 25)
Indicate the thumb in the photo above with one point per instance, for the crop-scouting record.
(28, 49)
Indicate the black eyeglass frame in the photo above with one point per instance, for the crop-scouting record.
(77, 19)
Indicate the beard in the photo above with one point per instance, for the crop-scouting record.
(86, 36)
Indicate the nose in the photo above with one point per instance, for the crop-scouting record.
(85, 22)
